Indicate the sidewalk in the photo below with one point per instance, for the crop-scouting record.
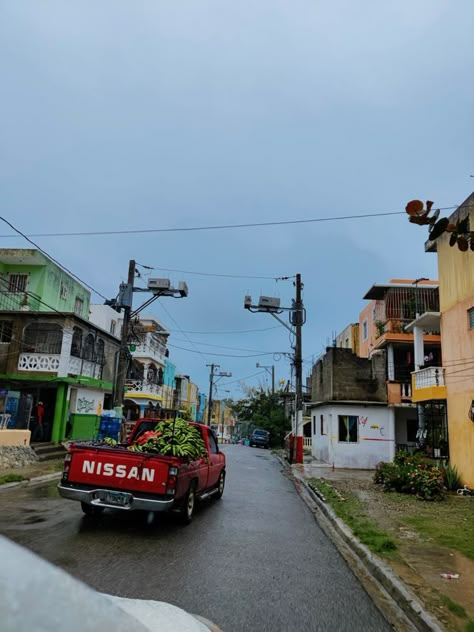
(419, 540)
(30, 471)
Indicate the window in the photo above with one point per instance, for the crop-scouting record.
(348, 429)
(78, 306)
(314, 424)
(17, 282)
(321, 421)
(374, 314)
(63, 292)
(212, 443)
(113, 324)
(100, 352)
(76, 345)
(470, 313)
(6, 327)
(43, 338)
(89, 348)
(365, 330)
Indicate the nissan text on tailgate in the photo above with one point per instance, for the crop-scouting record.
(129, 477)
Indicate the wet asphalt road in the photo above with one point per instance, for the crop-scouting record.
(255, 560)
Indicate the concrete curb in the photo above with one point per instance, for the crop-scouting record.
(379, 570)
(31, 481)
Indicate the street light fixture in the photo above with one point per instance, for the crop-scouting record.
(271, 305)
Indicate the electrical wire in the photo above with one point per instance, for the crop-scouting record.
(178, 326)
(63, 267)
(182, 229)
(223, 355)
(215, 274)
(241, 331)
(208, 344)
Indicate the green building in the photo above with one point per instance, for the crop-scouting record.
(50, 353)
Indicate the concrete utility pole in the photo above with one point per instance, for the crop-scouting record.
(298, 371)
(157, 287)
(271, 305)
(213, 367)
(124, 352)
(212, 375)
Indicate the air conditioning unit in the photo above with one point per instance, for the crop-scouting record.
(158, 284)
(269, 302)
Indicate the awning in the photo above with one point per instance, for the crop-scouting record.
(141, 396)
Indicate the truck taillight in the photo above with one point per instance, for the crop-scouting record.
(67, 466)
(172, 480)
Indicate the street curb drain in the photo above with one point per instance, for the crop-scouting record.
(44, 478)
(380, 571)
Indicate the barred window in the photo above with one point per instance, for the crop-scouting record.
(17, 282)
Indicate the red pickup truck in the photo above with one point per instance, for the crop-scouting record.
(100, 476)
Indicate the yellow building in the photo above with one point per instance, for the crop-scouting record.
(453, 381)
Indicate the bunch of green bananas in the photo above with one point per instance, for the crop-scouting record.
(175, 438)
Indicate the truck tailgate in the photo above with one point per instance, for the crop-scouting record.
(119, 469)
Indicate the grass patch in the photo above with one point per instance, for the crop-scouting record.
(453, 528)
(349, 509)
(11, 478)
(454, 607)
(470, 626)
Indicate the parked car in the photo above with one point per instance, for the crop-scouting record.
(260, 439)
(102, 476)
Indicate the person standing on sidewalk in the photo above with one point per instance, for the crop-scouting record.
(38, 431)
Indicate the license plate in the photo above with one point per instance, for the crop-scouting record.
(115, 498)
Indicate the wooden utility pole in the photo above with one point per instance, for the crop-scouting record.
(121, 374)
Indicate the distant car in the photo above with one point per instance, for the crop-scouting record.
(260, 439)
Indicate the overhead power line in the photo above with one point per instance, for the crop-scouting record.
(63, 267)
(224, 355)
(182, 229)
(239, 331)
(216, 274)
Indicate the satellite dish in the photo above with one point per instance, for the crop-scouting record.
(415, 208)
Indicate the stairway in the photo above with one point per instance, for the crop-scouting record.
(48, 451)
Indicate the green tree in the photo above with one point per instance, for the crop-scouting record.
(263, 410)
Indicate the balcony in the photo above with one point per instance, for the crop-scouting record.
(143, 387)
(50, 363)
(428, 384)
(44, 362)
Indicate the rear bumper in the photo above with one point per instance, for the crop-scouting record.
(90, 497)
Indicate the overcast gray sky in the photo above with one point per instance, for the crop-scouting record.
(153, 114)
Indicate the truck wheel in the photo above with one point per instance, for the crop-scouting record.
(220, 485)
(187, 508)
(91, 510)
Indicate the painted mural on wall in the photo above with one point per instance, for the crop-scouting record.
(89, 402)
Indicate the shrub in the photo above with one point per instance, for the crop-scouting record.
(411, 474)
(452, 479)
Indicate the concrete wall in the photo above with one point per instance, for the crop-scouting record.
(376, 436)
(106, 318)
(341, 375)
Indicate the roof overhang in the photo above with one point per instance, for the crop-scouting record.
(378, 290)
(429, 321)
(141, 396)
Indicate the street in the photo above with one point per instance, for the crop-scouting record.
(256, 560)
